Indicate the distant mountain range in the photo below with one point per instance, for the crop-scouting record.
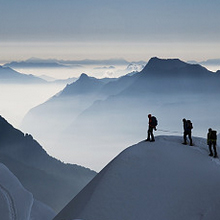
(54, 63)
(8, 75)
(173, 75)
(118, 109)
(73, 100)
(58, 81)
(35, 63)
(165, 72)
(11, 76)
(210, 62)
(9, 72)
(51, 181)
(68, 104)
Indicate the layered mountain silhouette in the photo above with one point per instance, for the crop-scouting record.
(84, 85)
(176, 67)
(44, 176)
(69, 103)
(54, 63)
(171, 76)
(97, 114)
(36, 63)
(8, 75)
(209, 62)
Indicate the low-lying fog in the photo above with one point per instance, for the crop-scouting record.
(97, 139)
(101, 71)
(16, 100)
(102, 131)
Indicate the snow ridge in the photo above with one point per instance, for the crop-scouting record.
(9, 200)
(16, 203)
(160, 180)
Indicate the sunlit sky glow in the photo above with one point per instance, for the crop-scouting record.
(134, 30)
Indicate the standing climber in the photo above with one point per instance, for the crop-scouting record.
(187, 127)
(211, 141)
(151, 126)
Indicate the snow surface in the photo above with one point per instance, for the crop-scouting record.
(162, 180)
(16, 203)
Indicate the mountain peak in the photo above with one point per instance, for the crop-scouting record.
(85, 84)
(157, 64)
(157, 67)
(83, 76)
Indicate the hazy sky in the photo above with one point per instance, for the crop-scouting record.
(134, 30)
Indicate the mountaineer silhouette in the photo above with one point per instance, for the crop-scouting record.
(211, 141)
(187, 126)
(151, 126)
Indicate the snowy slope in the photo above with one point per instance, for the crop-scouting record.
(164, 180)
(16, 203)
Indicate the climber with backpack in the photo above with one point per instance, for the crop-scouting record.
(211, 141)
(151, 126)
(187, 127)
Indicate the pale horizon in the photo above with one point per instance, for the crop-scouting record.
(99, 29)
(130, 51)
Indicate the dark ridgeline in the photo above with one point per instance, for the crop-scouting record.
(84, 85)
(173, 76)
(51, 181)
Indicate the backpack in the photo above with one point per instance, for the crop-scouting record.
(189, 124)
(213, 135)
(154, 121)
